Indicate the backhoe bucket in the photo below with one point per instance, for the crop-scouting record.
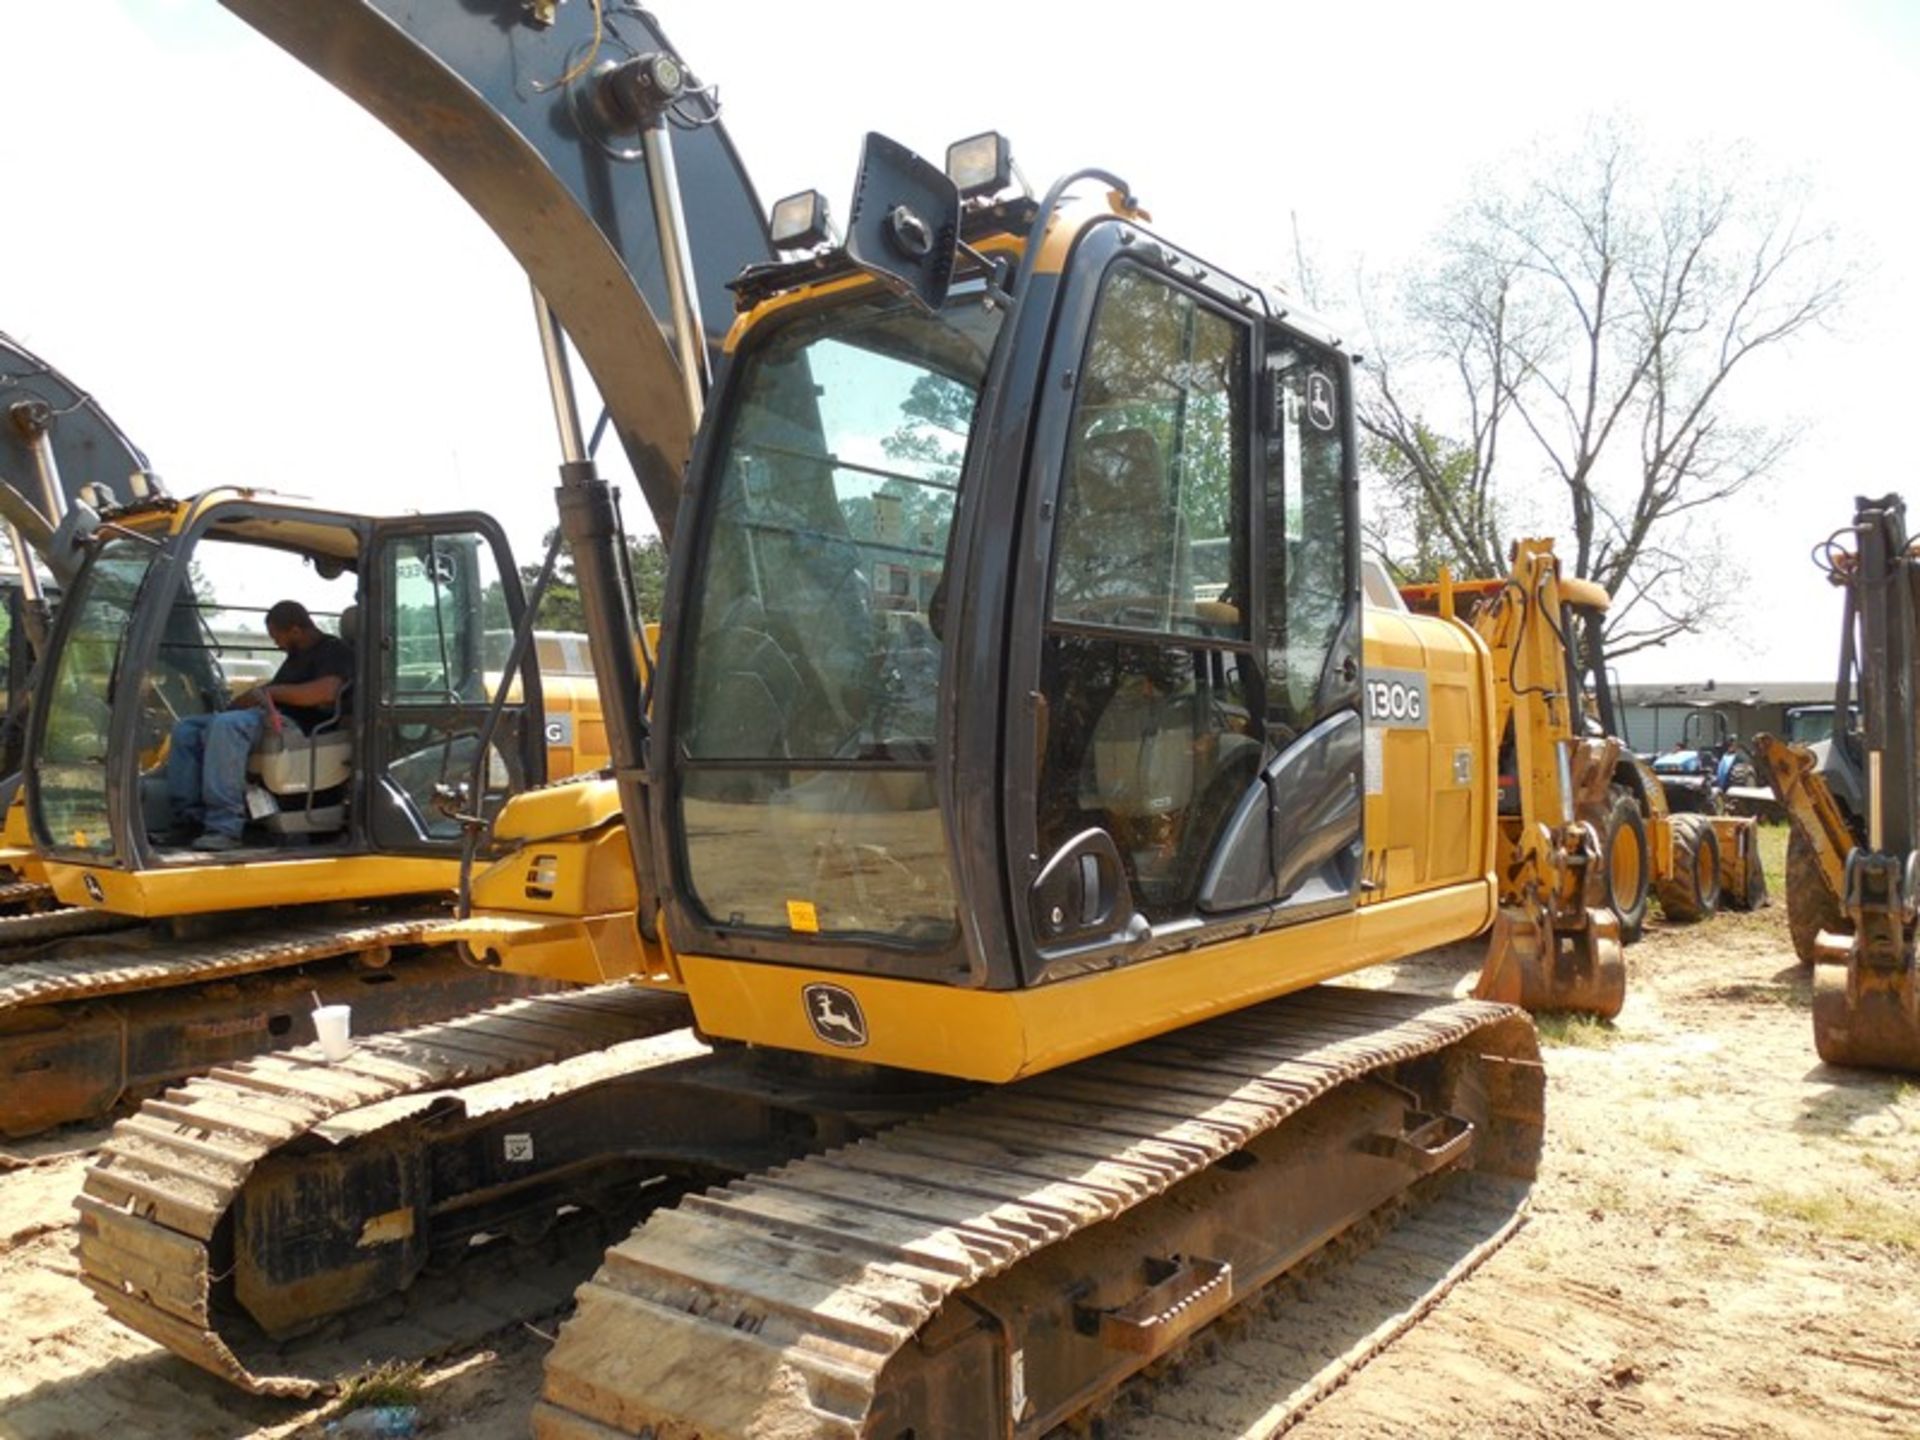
(1867, 1016)
(1532, 965)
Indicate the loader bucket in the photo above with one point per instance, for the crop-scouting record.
(1868, 1017)
(1532, 965)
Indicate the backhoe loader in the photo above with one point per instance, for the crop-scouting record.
(1853, 804)
(1691, 863)
(1017, 759)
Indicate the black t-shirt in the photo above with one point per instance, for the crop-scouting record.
(329, 655)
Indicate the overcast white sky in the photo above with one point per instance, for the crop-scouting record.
(263, 286)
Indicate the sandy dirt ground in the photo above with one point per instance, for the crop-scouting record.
(1725, 1241)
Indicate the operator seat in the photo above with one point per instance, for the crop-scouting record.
(308, 773)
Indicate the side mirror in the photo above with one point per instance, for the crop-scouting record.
(904, 228)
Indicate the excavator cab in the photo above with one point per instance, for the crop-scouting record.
(1158, 692)
(163, 622)
(986, 670)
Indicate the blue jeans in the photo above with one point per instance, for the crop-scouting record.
(207, 769)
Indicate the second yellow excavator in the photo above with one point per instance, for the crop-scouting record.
(163, 960)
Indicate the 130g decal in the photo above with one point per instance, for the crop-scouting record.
(1396, 698)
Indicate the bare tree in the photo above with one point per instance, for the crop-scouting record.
(1579, 332)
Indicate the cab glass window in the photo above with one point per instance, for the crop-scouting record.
(446, 630)
(1150, 727)
(72, 763)
(807, 738)
(437, 584)
(1152, 531)
(1307, 550)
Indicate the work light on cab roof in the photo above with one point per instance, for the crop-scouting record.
(801, 222)
(980, 165)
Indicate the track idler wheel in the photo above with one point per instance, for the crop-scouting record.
(1538, 968)
(1867, 1017)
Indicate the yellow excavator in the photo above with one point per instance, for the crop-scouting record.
(164, 961)
(126, 962)
(1853, 804)
(1018, 758)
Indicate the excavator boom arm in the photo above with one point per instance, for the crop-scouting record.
(533, 121)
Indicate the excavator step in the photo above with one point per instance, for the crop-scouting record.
(952, 1276)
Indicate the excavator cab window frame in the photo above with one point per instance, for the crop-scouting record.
(84, 616)
(392, 811)
(1246, 879)
(806, 939)
(130, 847)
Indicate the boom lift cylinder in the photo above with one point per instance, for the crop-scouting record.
(590, 521)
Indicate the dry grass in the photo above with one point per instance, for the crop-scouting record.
(1773, 859)
(1578, 1032)
(394, 1383)
(1842, 1214)
(1659, 1135)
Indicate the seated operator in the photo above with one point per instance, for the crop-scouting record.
(207, 761)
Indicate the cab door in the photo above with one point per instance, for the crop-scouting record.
(443, 602)
(1195, 724)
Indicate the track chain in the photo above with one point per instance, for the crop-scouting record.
(1369, 1287)
(773, 1306)
(154, 1203)
(108, 968)
(24, 894)
(20, 935)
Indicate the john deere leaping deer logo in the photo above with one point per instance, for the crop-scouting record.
(835, 1015)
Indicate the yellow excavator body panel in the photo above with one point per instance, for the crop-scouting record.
(557, 811)
(1001, 1035)
(197, 890)
(576, 728)
(1428, 776)
(17, 854)
(561, 904)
